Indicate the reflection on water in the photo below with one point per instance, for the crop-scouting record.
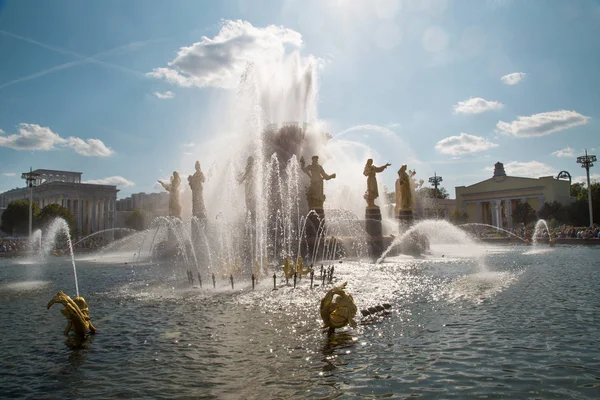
(508, 324)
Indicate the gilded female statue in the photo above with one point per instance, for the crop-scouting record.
(315, 194)
(370, 172)
(196, 183)
(404, 199)
(173, 189)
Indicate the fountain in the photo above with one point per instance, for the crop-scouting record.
(540, 227)
(60, 227)
(435, 301)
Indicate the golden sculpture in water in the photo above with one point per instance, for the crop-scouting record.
(338, 308)
(196, 183)
(370, 172)
(315, 194)
(173, 189)
(300, 267)
(77, 313)
(288, 268)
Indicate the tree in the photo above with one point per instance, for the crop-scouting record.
(15, 219)
(578, 211)
(523, 213)
(432, 193)
(136, 220)
(554, 210)
(53, 211)
(459, 217)
(578, 190)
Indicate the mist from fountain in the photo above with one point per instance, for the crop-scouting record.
(436, 231)
(56, 227)
(496, 228)
(540, 225)
(102, 231)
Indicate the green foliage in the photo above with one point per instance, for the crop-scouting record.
(458, 217)
(579, 210)
(136, 220)
(578, 190)
(53, 211)
(555, 211)
(523, 213)
(578, 213)
(15, 219)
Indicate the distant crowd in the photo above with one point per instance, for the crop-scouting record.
(568, 232)
(578, 233)
(11, 245)
(561, 232)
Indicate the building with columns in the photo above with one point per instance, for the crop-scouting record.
(92, 206)
(493, 200)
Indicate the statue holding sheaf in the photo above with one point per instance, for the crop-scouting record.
(173, 189)
(370, 172)
(314, 193)
(196, 183)
(404, 190)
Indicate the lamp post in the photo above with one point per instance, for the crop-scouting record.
(435, 181)
(30, 177)
(587, 161)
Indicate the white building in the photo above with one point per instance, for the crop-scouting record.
(92, 206)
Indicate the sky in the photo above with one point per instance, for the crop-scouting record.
(127, 91)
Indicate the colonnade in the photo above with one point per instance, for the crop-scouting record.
(91, 213)
(490, 211)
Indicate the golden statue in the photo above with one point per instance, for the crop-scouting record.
(315, 194)
(248, 177)
(300, 267)
(370, 172)
(404, 192)
(196, 183)
(288, 269)
(77, 313)
(173, 189)
(338, 308)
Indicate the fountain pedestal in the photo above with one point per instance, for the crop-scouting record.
(315, 221)
(373, 228)
(405, 218)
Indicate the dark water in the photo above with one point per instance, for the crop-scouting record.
(512, 324)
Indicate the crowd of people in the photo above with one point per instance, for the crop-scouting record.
(566, 232)
(11, 245)
(578, 233)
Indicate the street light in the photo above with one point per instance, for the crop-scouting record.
(30, 177)
(435, 181)
(587, 161)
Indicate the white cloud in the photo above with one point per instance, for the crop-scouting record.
(514, 78)
(542, 124)
(88, 147)
(32, 137)
(165, 96)
(463, 144)
(220, 61)
(112, 180)
(9, 173)
(393, 125)
(583, 179)
(476, 105)
(531, 169)
(189, 145)
(36, 137)
(566, 152)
